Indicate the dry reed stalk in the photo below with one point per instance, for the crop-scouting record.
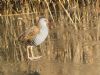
(98, 28)
(68, 15)
(70, 40)
(98, 6)
(49, 10)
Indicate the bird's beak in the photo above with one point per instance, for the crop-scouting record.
(50, 24)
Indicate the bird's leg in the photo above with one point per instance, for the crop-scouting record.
(29, 51)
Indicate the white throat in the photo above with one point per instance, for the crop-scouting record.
(42, 24)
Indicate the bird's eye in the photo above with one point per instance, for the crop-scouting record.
(46, 21)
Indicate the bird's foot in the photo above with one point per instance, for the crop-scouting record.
(34, 58)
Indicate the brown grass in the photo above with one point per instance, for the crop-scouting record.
(75, 36)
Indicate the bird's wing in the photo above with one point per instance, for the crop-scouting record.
(29, 34)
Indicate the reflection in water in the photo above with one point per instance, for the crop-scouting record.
(49, 68)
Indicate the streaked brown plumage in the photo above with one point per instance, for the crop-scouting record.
(29, 34)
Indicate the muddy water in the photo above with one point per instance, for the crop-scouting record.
(46, 67)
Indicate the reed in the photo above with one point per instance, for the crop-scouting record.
(74, 36)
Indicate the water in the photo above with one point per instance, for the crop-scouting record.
(46, 67)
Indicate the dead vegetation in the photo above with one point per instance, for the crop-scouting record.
(75, 35)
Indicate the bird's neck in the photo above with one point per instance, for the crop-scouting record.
(43, 25)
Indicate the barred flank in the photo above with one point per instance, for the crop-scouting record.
(41, 36)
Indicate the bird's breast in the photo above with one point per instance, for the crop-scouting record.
(41, 36)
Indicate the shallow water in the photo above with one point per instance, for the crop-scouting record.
(46, 67)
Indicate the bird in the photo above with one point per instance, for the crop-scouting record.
(34, 36)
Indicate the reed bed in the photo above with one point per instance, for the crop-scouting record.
(74, 36)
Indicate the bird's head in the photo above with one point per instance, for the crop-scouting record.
(43, 21)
